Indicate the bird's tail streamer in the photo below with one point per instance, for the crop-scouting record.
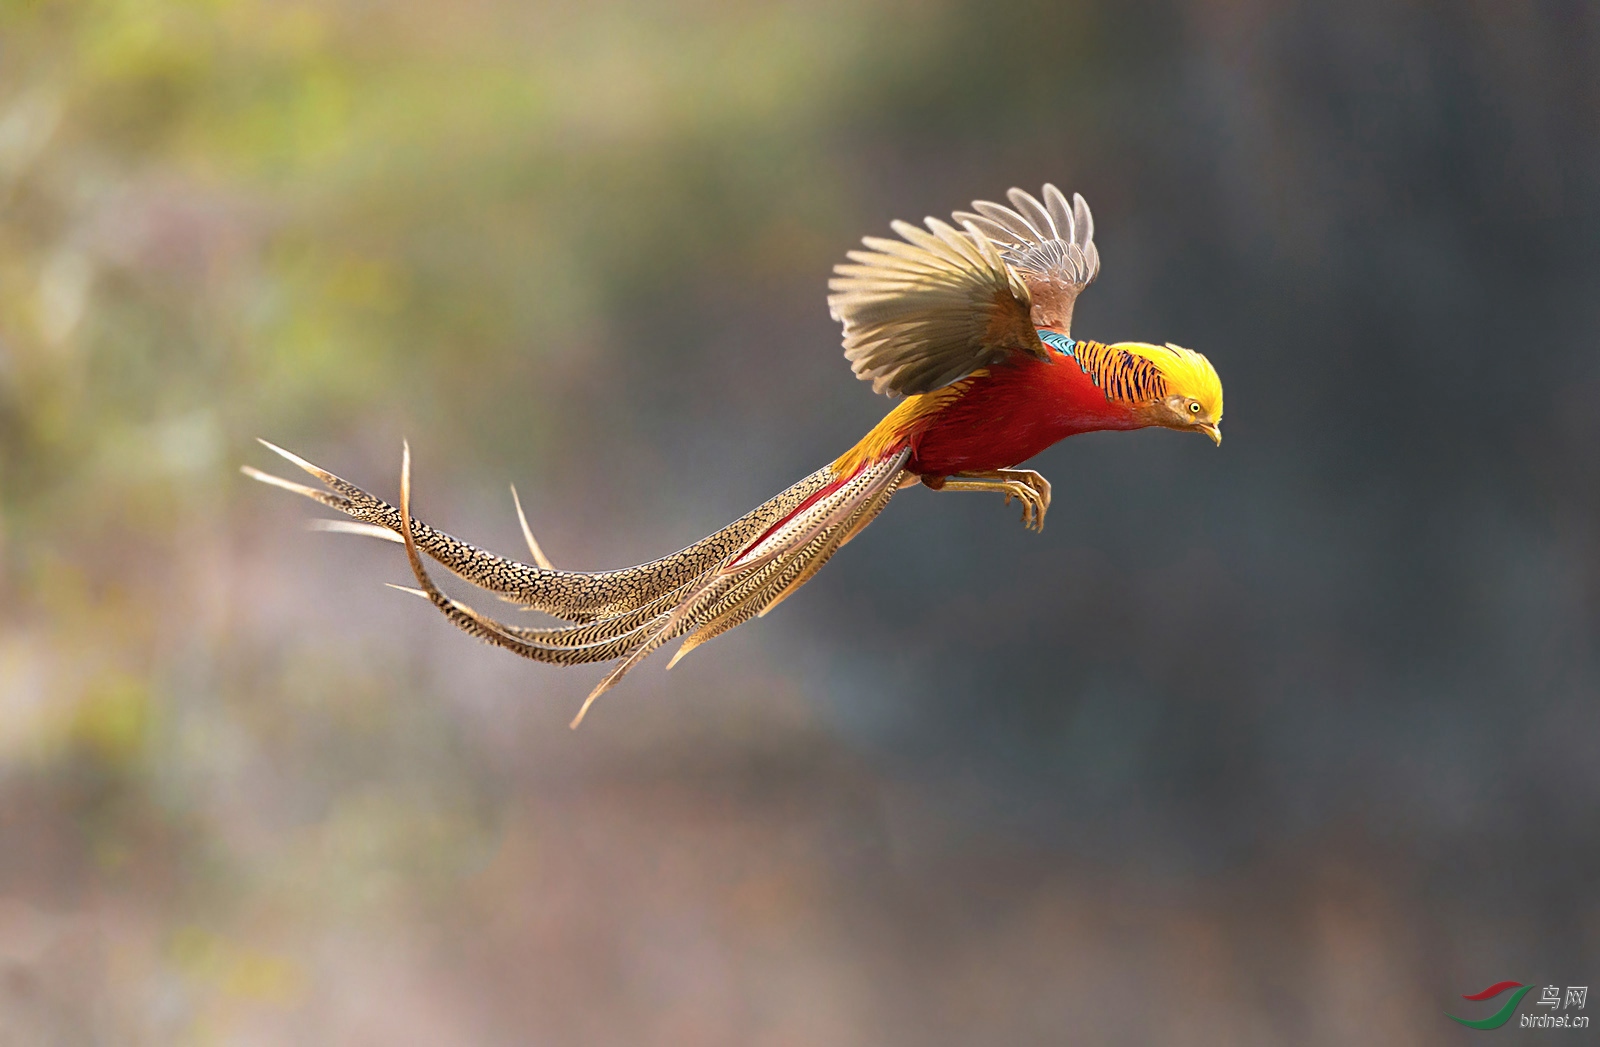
(739, 572)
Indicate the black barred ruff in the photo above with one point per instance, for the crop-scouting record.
(1126, 378)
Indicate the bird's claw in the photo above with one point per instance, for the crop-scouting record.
(1034, 503)
(1025, 485)
(1033, 491)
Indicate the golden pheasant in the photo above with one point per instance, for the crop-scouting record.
(970, 325)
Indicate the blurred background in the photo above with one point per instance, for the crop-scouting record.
(1290, 742)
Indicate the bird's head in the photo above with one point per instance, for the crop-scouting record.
(1193, 398)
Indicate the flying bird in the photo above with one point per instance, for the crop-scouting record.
(968, 324)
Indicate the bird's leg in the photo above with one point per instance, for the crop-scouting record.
(1027, 486)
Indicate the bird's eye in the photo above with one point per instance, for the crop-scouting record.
(1194, 407)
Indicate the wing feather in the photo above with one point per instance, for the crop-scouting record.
(1006, 218)
(929, 308)
(1060, 213)
(1035, 214)
(1050, 245)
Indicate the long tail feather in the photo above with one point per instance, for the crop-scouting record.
(574, 595)
(758, 562)
(763, 593)
(527, 534)
(464, 617)
(789, 541)
(743, 602)
(383, 534)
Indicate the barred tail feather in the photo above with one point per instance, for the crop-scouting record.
(795, 543)
(761, 559)
(574, 595)
(755, 599)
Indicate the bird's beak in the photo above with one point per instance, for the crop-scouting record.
(1212, 430)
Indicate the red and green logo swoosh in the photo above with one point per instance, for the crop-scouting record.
(1500, 1017)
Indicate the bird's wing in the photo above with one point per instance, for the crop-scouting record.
(1049, 244)
(930, 308)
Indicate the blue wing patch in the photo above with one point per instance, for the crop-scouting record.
(1059, 342)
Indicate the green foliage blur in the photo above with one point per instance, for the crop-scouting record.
(224, 219)
(228, 219)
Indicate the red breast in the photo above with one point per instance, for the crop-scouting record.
(1011, 414)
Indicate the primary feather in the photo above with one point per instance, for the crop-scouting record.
(1049, 245)
(929, 309)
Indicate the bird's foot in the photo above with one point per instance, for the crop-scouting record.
(1025, 485)
(1038, 497)
(1034, 505)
